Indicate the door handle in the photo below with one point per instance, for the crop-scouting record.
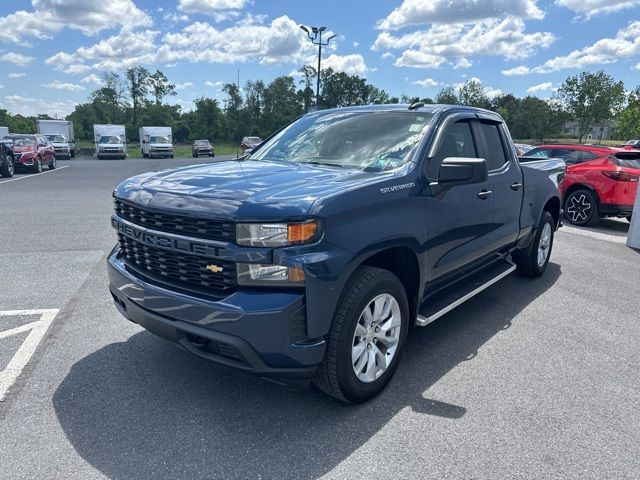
(484, 194)
(515, 186)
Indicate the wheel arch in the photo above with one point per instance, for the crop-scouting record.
(403, 262)
(580, 186)
(553, 207)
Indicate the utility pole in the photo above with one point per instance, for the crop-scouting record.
(315, 35)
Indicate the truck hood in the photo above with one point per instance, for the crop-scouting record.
(245, 190)
(111, 145)
(59, 144)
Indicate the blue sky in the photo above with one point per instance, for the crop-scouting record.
(54, 52)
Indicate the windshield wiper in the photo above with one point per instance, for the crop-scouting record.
(325, 163)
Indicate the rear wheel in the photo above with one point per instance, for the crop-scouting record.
(37, 166)
(533, 260)
(581, 208)
(7, 169)
(367, 336)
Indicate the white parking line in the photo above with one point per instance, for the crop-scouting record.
(598, 235)
(38, 329)
(33, 175)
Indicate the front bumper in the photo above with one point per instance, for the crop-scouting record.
(250, 331)
(111, 154)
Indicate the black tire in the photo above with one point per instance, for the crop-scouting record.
(171, 156)
(335, 375)
(37, 166)
(99, 157)
(72, 154)
(7, 169)
(213, 154)
(194, 155)
(526, 260)
(629, 218)
(581, 208)
(52, 165)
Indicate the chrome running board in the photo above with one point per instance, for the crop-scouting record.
(468, 289)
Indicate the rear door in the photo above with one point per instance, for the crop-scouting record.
(505, 182)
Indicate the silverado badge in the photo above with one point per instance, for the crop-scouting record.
(213, 268)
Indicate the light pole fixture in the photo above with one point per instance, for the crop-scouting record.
(315, 35)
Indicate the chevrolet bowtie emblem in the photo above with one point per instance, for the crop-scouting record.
(214, 268)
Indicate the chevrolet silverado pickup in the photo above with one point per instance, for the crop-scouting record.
(313, 257)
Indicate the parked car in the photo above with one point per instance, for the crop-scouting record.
(600, 181)
(315, 257)
(523, 148)
(6, 161)
(632, 144)
(249, 143)
(202, 147)
(60, 146)
(32, 151)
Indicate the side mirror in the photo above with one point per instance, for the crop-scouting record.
(462, 171)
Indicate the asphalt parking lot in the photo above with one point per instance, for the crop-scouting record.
(530, 379)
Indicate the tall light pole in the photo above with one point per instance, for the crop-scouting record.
(315, 35)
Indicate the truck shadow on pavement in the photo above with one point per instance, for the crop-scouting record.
(147, 409)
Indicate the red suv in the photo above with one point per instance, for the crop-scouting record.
(600, 181)
(32, 151)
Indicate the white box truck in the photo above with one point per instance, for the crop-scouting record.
(60, 134)
(156, 142)
(4, 131)
(110, 140)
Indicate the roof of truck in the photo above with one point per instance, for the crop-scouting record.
(394, 107)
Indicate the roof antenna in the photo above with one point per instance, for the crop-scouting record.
(416, 105)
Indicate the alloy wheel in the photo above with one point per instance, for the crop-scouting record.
(544, 244)
(578, 208)
(376, 338)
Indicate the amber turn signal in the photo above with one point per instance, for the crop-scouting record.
(302, 232)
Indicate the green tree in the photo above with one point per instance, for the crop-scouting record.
(160, 86)
(341, 90)
(472, 94)
(307, 93)
(232, 106)
(138, 79)
(591, 98)
(281, 104)
(536, 119)
(447, 96)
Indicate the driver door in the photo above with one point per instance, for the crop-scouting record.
(459, 217)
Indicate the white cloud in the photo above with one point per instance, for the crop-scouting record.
(51, 16)
(541, 87)
(430, 48)
(625, 44)
(175, 17)
(350, 64)
(490, 92)
(16, 58)
(16, 75)
(416, 12)
(182, 86)
(591, 8)
(462, 63)
(637, 67)
(519, 70)
(356, 44)
(56, 84)
(1, 86)
(387, 56)
(200, 6)
(93, 78)
(28, 106)
(76, 69)
(427, 83)
(209, 83)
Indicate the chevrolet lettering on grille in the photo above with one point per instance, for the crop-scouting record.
(164, 241)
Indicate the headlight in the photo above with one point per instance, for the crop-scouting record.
(276, 234)
(254, 274)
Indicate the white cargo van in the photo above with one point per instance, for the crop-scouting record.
(110, 140)
(60, 134)
(4, 131)
(156, 142)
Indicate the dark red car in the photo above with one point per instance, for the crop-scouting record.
(31, 151)
(600, 181)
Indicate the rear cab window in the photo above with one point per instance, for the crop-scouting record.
(495, 155)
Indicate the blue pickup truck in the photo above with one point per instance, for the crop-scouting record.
(313, 257)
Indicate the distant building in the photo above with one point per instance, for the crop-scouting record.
(599, 131)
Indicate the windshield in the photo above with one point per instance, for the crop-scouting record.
(159, 140)
(202, 143)
(56, 138)
(632, 142)
(373, 141)
(110, 139)
(22, 142)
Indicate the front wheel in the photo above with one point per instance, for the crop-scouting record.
(37, 167)
(581, 208)
(533, 260)
(52, 165)
(7, 169)
(367, 336)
